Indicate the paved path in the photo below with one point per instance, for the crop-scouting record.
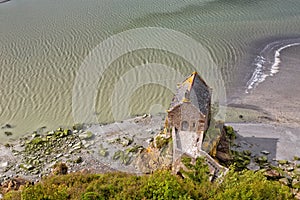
(282, 142)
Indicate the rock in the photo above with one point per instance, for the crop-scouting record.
(87, 135)
(283, 162)
(265, 152)
(6, 126)
(79, 160)
(118, 154)
(296, 184)
(67, 155)
(4, 165)
(77, 127)
(14, 184)
(296, 158)
(262, 159)
(35, 172)
(150, 140)
(297, 171)
(60, 169)
(50, 133)
(103, 151)
(144, 116)
(224, 157)
(284, 181)
(87, 145)
(134, 149)
(290, 169)
(78, 144)
(253, 166)
(247, 152)
(126, 159)
(27, 167)
(67, 132)
(272, 174)
(59, 155)
(7, 145)
(35, 134)
(126, 141)
(297, 196)
(7, 133)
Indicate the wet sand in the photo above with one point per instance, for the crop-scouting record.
(279, 95)
(271, 111)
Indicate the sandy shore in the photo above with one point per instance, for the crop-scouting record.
(279, 95)
(268, 118)
(97, 153)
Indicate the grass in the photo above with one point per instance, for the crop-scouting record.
(159, 185)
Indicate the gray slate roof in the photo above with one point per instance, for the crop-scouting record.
(195, 90)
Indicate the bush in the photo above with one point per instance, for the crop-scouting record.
(161, 141)
(159, 185)
(230, 132)
(250, 185)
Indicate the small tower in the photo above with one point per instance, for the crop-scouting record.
(189, 113)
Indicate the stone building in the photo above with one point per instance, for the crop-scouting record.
(188, 119)
(189, 113)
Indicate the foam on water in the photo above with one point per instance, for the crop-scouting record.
(267, 63)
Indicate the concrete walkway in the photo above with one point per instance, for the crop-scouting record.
(281, 141)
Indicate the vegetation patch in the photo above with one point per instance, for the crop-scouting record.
(161, 141)
(159, 185)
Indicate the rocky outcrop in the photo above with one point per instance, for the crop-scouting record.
(158, 155)
(14, 184)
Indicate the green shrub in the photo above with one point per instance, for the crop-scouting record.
(161, 141)
(230, 132)
(250, 185)
(90, 196)
(159, 185)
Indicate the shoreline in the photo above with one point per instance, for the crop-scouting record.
(4, 1)
(277, 95)
(271, 110)
(267, 115)
(91, 148)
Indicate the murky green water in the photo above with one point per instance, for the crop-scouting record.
(43, 45)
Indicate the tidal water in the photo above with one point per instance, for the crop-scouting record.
(45, 46)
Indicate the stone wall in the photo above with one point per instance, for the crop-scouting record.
(186, 117)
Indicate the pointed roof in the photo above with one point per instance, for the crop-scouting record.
(193, 89)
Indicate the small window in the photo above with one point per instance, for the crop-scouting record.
(194, 124)
(184, 126)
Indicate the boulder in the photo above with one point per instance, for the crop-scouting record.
(265, 152)
(59, 169)
(224, 157)
(8, 133)
(272, 174)
(4, 164)
(77, 127)
(296, 184)
(6, 126)
(284, 181)
(283, 162)
(14, 184)
(86, 135)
